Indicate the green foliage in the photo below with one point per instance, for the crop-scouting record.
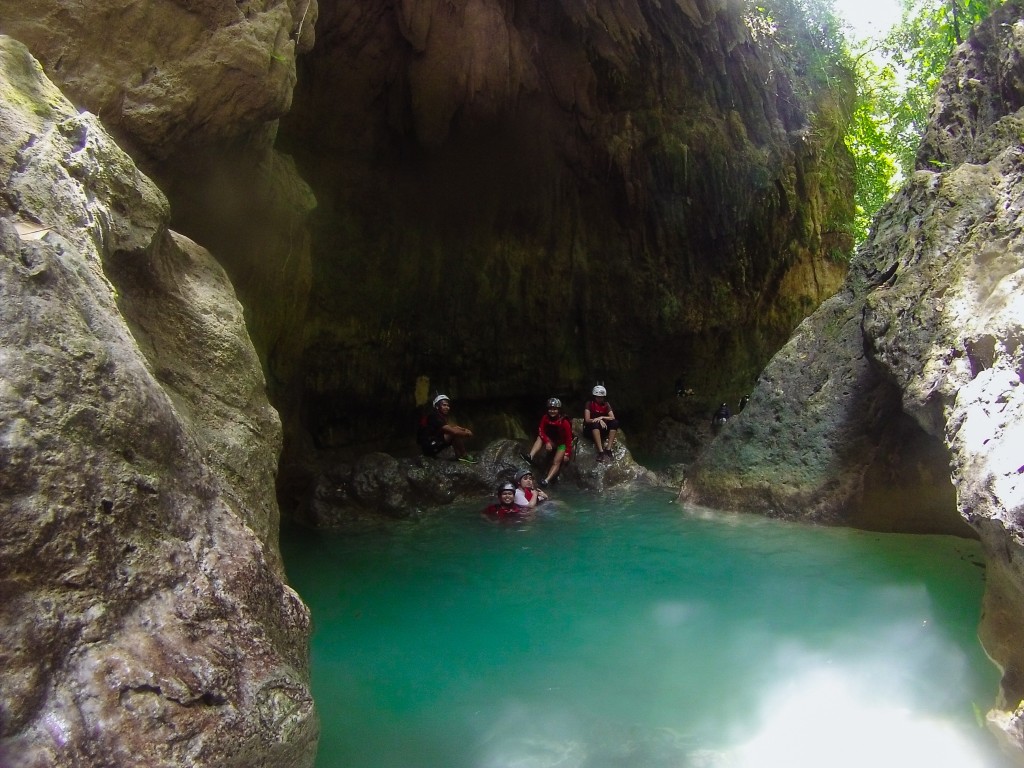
(809, 35)
(808, 25)
(875, 146)
(896, 81)
(920, 47)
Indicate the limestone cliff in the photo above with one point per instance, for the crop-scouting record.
(193, 89)
(518, 198)
(143, 615)
(900, 404)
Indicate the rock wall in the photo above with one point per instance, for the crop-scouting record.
(515, 198)
(520, 198)
(910, 379)
(193, 89)
(145, 620)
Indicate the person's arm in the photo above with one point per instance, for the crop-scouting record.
(456, 431)
(611, 414)
(567, 437)
(586, 413)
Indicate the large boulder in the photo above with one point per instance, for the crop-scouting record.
(900, 404)
(169, 74)
(145, 619)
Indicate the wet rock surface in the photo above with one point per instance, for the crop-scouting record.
(144, 618)
(518, 199)
(380, 484)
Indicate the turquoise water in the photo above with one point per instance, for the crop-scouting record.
(624, 631)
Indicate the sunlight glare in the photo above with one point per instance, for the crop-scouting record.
(824, 718)
(868, 18)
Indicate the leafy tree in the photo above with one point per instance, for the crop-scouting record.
(896, 80)
(920, 46)
(871, 140)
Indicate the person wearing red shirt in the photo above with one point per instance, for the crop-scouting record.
(600, 423)
(554, 435)
(506, 506)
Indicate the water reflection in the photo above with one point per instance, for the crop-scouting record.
(616, 631)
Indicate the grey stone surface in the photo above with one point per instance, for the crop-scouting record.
(144, 618)
(379, 484)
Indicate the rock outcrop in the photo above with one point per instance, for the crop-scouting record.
(900, 403)
(193, 90)
(515, 199)
(379, 484)
(144, 619)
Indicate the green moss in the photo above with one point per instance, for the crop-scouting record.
(24, 85)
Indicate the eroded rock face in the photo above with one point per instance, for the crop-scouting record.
(519, 199)
(916, 367)
(143, 615)
(193, 89)
(165, 74)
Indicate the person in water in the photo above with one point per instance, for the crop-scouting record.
(506, 506)
(721, 416)
(435, 433)
(600, 423)
(554, 435)
(526, 497)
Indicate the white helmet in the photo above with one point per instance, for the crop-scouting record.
(599, 391)
(554, 402)
(439, 399)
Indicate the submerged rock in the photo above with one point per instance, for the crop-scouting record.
(899, 404)
(144, 618)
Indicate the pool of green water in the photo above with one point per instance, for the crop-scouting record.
(619, 630)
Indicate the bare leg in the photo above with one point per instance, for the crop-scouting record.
(556, 465)
(457, 444)
(611, 439)
(682, 492)
(537, 445)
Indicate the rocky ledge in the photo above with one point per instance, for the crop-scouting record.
(378, 483)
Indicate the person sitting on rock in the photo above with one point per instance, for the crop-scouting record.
(435, 433)
(721, 416)
(600, 423)
(526, 497)
(506, 506)
(555, 435)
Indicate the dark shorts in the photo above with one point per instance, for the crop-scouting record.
(604, 426)
(434, 447)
